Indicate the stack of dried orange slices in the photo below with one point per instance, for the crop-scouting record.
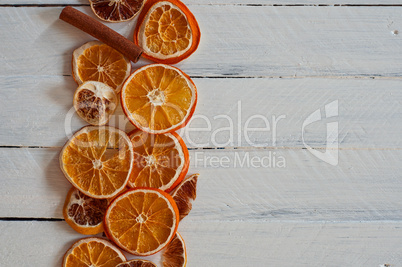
(131, 186)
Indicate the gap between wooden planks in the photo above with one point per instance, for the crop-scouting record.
(237, 41)
(223, 244)
(289, 185)
(368, 113)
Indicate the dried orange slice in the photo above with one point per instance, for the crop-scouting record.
(160, 161)
(116, 10)
(95, 61)
(167, 31)
(98, 161)
(159, 98)
(84, 214)
(95, 102)
(174, 255)
(92, 251)
(137, 263)
(142, 221)
(185, 194)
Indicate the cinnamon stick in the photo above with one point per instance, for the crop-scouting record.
(101, 32)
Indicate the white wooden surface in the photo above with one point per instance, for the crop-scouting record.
(265, 57)
(243, 41)
(215, 243)
(369, 111)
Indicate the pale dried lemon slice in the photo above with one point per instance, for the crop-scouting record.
(95, 102)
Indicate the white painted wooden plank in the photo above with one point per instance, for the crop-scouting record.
(230, 243)
(236, 41)
(34, 111)
(365, 186)
(224, 2)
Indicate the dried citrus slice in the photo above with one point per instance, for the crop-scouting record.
(185, 194)
(142, 221)
(137, 263)
(92, 251)
(116, 10)
(84, 214)
(160, 161)
(167, 31)
(95, 61)
(174, 255)
(159, 98)
(98, 161)
(95, 102)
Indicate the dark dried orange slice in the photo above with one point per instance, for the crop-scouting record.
(185, 194)
(84, 214)
(136, 263)
(175, 253)
(116, 10)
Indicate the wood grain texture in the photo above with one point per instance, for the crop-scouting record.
(365, 186)
(237, 41)
(292, 209)
(224, 244)
(35, 110)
